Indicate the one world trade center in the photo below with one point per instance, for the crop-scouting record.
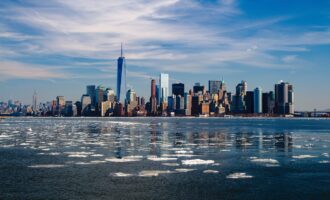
(121, 77)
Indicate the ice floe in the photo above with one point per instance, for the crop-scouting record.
(209, 171)
(264, 160)
(325, 154)
(303, 156)
(171, 164)
(150, 173)
(197, 162)
(155, 158)
(46, 166)
(184, 170)
(123, 159)
(121, 174)
(324, 161)
(239, 175)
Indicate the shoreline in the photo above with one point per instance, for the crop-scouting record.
(176, 117)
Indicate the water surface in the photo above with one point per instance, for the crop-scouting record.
(164, 158)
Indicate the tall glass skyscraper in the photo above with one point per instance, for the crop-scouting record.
(164, 87)
(121, 77)
(257, 100)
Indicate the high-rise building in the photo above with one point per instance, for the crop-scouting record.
(257, 99)
(265, 102)
(164, 87)
(214, 86)
(68, 110)
(284, 98)
(90, 91)
(153, 100)
(100, 90)
(85, 104)
(249, 102)
(187, 103)
(179, 105)
(131, 97)
(110, 95)
(35, 101)
(121, 77)
(198, 88)
(158, 94)
(60, 103)
(178, 89)
(238, 102)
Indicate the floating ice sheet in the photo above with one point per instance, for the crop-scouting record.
(239, 175)
(197, 162)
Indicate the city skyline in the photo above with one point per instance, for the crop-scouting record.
(57, 48)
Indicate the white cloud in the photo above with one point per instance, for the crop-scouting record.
(10, 70)
(169, 35)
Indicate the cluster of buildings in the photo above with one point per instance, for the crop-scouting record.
(215, 100)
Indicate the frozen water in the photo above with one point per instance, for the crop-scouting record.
(196, 156)
(239, 175)
(197, 162)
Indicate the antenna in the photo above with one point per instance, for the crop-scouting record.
(121, 49)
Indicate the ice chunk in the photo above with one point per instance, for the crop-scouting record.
(155, 158)
(124, 159)
(303, 156)
(46, 166)
(264, 160)
(121, 174)
(171, 164)
(150, 173)
(184, 170)
(197, 162)
(209, 171)
(239, 175)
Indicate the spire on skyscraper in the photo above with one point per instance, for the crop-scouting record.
(121, 50)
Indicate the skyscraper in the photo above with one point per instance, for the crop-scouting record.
(257, 99)
(90, 89)
(60, 103)
(214, 86)
(121, 77)
(238, 101)
(153, 100)
(178, 89)
(164, 87)
(249, 102)
(198, 88)
(284, 99)
(85, 104)
(100, 90)
(35, 101)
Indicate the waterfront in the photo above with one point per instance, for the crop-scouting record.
(164, 158)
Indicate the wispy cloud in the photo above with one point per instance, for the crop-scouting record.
(10, 69)
(170, 35)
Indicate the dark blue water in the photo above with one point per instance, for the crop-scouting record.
(164, 158)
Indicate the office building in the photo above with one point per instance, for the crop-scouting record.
(198, 89)
(34, 102)
(257, 99)
(284, 98)
(60, 104)
(164, 87)
(121, 77)
(85, 104)
(178, 89)
(90, 91)
(249, 102)
(214, 87)
(153, 99)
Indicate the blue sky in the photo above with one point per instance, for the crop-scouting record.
(57, 47)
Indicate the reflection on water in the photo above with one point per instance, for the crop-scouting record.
(128, 148)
